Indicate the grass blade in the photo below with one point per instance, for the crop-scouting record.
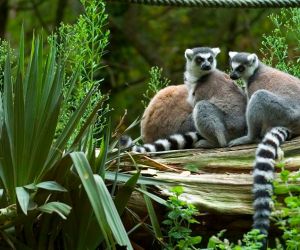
(142, 180)
(85, 173)
(152, 215)
(63, 138)
(113, 217)
(152, 196)
(104, 148)
(125, 192)
(7, 170)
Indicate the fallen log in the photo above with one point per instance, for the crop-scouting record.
(220, 181)
(217, 181)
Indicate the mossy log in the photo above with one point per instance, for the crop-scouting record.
(222, 181)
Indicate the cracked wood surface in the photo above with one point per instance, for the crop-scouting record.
(223, 181)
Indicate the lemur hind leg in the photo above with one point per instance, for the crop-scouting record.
(265, 110)
(209, 122)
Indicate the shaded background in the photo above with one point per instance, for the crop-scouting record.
(142, 37)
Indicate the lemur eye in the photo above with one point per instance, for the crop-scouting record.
(199, 60)
(210, 59)
(240, 68)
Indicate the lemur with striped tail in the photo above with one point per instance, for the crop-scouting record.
(273, 112)
(219, 106)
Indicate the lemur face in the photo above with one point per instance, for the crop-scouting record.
(201, 59)
(242, 65)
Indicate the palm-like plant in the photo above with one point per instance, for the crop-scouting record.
(34, 160)
(29, 109)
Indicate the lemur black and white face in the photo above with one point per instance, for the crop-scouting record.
(243, 65)
(200, 61)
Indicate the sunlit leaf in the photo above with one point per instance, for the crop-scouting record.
(51, 185)
(152, 196)
(23, 198)
(60, 208)
(104, 208)
(152, 215)
(111, 212)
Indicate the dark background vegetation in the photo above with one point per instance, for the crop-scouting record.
(142, 37)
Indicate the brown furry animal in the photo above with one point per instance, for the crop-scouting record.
(158, 119)
(218, 109)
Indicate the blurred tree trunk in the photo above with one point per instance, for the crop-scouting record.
(60, 11)
(131, 30)
(3, 17)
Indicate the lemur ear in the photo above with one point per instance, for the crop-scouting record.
(188, 54)
(232, 54)
(216, 51)
(252, 58)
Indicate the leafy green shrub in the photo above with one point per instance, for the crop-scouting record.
(287, 215)
(180, 217)
(281, 47)
(156, 83)
(81, 46)
(250, 241)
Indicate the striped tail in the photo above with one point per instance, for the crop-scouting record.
(263, 175)
(173, 142)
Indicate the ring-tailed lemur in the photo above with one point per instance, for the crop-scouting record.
(219, 105)
(219, 112)
(158, 118)
(273, 106)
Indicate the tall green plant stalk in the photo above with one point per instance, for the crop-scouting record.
(155, 84)
(82, 46)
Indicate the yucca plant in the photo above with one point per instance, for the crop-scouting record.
(34, 162)
(29, 109)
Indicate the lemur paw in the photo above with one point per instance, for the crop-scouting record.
(239, 141)
(204, 144)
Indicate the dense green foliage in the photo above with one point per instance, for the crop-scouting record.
(179, 219)
(287, 216)
(280, 48)
(81, 47)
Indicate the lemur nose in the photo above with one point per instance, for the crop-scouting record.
(234, 76)
(206, 67)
